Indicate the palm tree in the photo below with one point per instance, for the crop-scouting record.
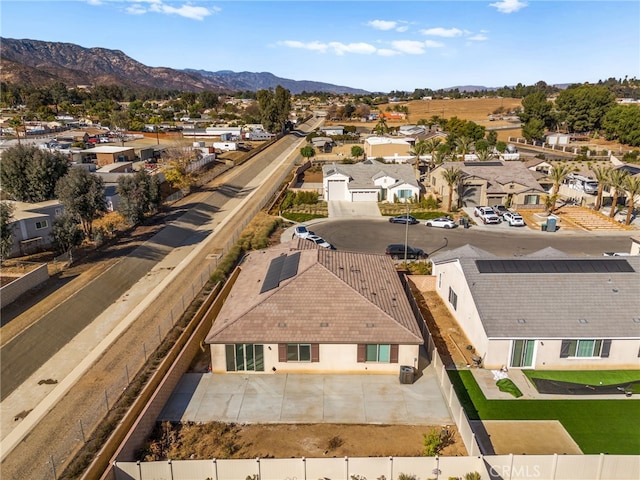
(632, 187)
(452, 176)
(420, 148)
(484, 155)
(601, 174)
(16, 123)
(432, 146)
(463, 145)
(617, 180)
(381, 127)
(557, 175)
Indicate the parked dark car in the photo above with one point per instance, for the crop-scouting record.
(396, 251)
(404, 219)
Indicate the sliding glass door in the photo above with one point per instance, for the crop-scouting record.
(522, 353)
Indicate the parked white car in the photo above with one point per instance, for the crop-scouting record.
(442, 222)
(513, 219)
(302, 232)
(320, 241)
(486, 214)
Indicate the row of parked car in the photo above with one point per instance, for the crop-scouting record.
(303, 232)
(441, 222)
(497, 214)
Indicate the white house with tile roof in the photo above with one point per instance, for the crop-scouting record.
(315, 311)
(554, 312)
(369, 181)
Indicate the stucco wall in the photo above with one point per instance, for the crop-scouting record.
(13, 290)
(334, 358)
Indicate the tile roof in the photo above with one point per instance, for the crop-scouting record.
(499, 174)
(555, 305)
(336, 297)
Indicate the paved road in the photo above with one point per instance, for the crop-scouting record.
(27, 352)
(372, 236)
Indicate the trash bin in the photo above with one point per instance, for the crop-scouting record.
(466, 222)
(406, 374)
(543, 227)
(551, 224)
(461, 221)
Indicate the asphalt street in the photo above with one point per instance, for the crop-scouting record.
(373, 235)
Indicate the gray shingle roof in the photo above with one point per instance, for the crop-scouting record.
(363, 174)
(555, 305)
(336, 297)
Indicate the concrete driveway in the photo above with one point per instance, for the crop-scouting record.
(343, 209)
(310, 398)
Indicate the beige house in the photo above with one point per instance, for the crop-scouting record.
(315, 310)
(391, 149)
(489, 183)
(554, 312)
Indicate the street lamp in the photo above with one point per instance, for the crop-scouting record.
(406, 232)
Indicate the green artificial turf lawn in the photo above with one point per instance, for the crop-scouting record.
(597, 426)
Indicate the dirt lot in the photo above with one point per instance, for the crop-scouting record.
(218, 440)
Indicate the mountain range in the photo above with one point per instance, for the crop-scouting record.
(39, 63)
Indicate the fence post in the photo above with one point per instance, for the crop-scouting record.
(82, 432)
(106, 400)
(53, 467)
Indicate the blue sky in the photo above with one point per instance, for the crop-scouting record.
(373, 45)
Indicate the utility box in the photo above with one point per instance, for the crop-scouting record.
(551, 224)
(406, 374)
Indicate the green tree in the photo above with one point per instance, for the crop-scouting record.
(139, 195)
(29, 174)
(463, 145)
(82, 195)
(16, 123)
(632, 188)
(584, 106)
(381, 127)
(601, 174)
(6, 230)
(622, 123)
(208, 100)
(177, 171)
(357, 151)
(617, 180)
(308, 152)
(274, 108)
(533, 129)
(536, 106)
(452, 177)
(492, 138)
(66, 233)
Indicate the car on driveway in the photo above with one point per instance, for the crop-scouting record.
(302, 232)
(397, 252)
(514, 219)
(442, 222)
(320, 241)
(404, 219)
(500, 210)
(486, 214)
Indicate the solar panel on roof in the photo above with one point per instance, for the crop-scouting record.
(272, 278)
(555, 266)
(482, 164)
(290, 267)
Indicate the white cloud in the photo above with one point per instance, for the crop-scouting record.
(141, 7)
(479, 37)
(360, 48)
(508, 6)
(442, 32)
(385, 25)
(433, 44)
(411, 47)
(387, 52)
(314, 46)
(382, 24)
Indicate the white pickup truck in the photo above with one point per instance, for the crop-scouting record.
(486, 214)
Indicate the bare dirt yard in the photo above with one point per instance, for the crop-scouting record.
(222, 440)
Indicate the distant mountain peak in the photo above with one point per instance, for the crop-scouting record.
(40, 63)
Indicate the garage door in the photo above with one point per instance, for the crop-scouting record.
(336, 190)
(365, 196)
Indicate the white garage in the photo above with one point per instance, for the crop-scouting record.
(364, 195)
